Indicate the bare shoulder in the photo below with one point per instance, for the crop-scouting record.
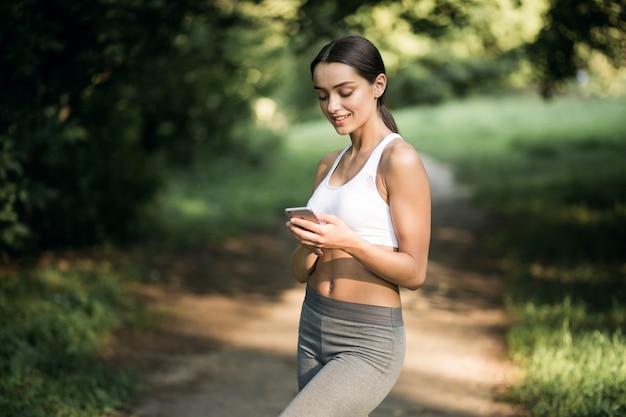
(399, 157)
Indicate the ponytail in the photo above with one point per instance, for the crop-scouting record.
(387, 117)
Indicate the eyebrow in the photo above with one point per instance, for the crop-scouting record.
(335, 86)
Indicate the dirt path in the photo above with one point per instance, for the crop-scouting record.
(227, 347)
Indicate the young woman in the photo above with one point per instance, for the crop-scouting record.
(372, 200)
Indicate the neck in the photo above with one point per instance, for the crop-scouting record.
(366, 138)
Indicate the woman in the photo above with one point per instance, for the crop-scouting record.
(372, 200)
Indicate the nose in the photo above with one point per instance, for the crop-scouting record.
(333, 103)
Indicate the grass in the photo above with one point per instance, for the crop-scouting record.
(552, 177)
(55, 318)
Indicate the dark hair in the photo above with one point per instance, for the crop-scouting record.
(364, 57)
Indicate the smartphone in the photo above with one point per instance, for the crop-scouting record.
(301, 212)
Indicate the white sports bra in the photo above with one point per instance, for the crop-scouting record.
(357, 203)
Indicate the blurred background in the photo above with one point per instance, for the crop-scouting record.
(166, 125)
(101, 102)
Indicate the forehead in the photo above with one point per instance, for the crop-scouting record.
(333, 74)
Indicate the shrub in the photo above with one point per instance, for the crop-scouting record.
(53, 321)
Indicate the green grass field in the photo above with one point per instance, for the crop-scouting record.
(553, 178)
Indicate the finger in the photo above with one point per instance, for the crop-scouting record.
(303, 223)
(305, 237)
(324, 218)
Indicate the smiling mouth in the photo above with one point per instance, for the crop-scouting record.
(340, 118)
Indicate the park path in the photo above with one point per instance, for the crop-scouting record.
(226, 347)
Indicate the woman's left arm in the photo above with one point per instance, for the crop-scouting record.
(408, 190)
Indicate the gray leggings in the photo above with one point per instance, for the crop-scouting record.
(349, 357)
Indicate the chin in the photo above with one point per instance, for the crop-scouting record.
(342, 130)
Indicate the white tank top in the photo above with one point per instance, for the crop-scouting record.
(357, 203)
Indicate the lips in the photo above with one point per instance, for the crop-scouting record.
(339, 119)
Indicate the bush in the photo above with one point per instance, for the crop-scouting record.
(65, 187)
(433, 81)
(415, 85)
(13, 232)
(53, 321)
(93, 94)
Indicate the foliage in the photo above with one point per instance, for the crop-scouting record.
(454, 48)
(13, 232)
(98, 98)
(65, 112)
(434, 81)
(438, 50)
(572, 29)
(54, 319)
(102, 97)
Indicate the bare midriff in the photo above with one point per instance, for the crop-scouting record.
(339, 276)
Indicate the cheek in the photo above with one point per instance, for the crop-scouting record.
(360, 103)
(362, 99)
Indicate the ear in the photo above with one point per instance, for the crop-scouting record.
(380, 84)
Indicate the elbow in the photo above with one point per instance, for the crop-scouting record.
(300, 275)
(417, 281)
(415, 285)
(301, 279)
(303, 264)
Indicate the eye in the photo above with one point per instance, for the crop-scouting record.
(322, 98)
(346, 94)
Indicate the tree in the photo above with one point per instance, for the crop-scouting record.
(99, 97)
(573, 27)
(91, 92)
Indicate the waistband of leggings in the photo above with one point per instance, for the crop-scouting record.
(354, 312)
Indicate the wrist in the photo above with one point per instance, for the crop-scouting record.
(355, 246)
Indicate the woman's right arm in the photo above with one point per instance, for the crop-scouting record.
(304, 258)
(303, 263)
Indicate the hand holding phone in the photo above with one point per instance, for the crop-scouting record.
(307, 214)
